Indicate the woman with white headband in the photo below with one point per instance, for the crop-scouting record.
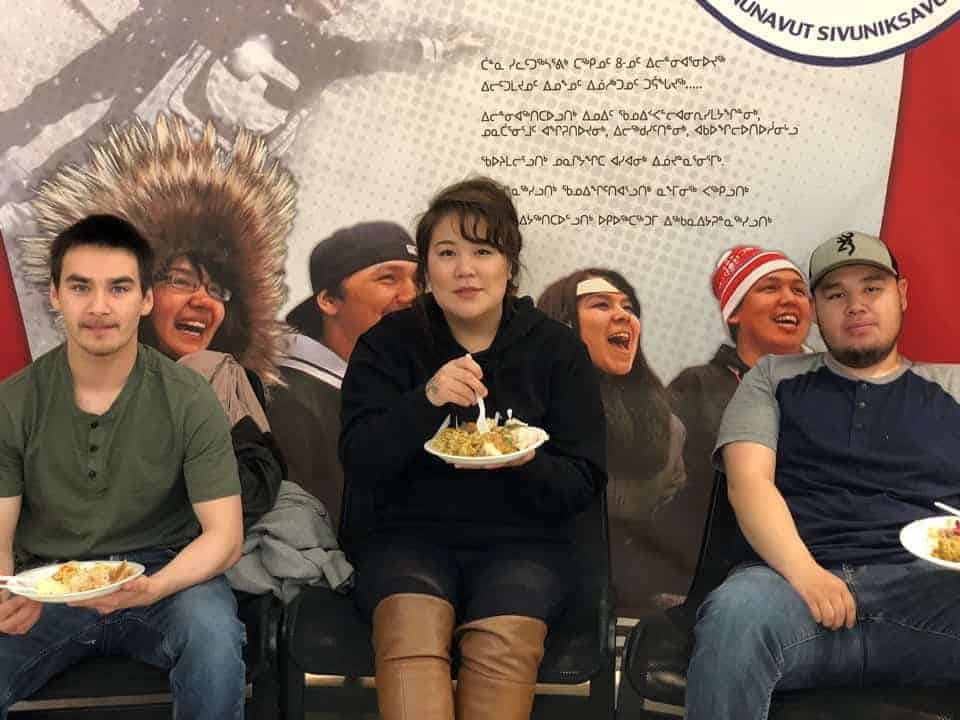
(644, 438)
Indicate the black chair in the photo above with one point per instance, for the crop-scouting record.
(653, 677)
(326, 657)
(118, 687)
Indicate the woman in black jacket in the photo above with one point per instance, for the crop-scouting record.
(445, 554)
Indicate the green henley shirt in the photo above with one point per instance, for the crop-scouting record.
(95, 485)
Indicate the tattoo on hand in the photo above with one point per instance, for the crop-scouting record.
(432, 387)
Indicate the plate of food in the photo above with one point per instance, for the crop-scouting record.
(464, 445)
(935, 539)
(74, 580)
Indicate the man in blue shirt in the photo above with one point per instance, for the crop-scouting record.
(827, 457)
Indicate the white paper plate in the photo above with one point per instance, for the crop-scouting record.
(484, 460)
(47, 570)
(915, 537)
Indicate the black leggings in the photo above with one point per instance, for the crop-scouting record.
(527, 579)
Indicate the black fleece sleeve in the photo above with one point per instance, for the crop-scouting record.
(571, 468)
(261, 468)
(386, 417)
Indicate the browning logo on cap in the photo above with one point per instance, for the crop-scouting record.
(850, 248)
(845, 243)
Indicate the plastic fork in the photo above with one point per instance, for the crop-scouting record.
(482, 424)
(14, 581)
(949, 508)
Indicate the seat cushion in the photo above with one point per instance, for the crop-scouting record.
(117, 676)
(871, 703)
(326, 635)
(106, 677)
(658, 650)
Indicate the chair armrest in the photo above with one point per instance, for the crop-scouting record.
(260, 615)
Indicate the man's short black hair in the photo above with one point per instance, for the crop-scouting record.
(103, 231)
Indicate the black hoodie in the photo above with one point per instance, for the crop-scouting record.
(535, 366)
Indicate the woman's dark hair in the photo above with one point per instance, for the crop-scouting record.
(647, 435)
(103, 231)
(484, 212)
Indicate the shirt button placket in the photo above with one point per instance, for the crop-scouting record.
(93, 456)
(860, 405)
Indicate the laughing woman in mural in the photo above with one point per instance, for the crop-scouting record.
(217, 223)
(644, 438)
(480, 557)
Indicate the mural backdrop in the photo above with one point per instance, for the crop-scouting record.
(640, 138)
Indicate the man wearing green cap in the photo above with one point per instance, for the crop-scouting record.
(828, 457)
(358, 275)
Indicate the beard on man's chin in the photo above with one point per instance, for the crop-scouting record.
(861, 357)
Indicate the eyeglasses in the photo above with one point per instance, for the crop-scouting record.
(187, 283)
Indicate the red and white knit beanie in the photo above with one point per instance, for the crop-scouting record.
(740, 268)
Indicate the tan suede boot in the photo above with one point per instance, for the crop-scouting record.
(411, 642)
(500, 657)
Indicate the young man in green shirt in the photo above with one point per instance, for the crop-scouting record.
(109, 449)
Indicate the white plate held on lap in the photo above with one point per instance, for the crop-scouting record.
(916, 538)
(484, 460)
(42, 573)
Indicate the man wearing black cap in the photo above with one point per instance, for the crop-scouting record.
(358, 275)
(829, 456)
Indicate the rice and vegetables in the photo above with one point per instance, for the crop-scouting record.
(72, 577)
(465, 441)
(946, 541)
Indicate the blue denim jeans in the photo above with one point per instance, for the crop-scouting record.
(194, 633)
(755, 634)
